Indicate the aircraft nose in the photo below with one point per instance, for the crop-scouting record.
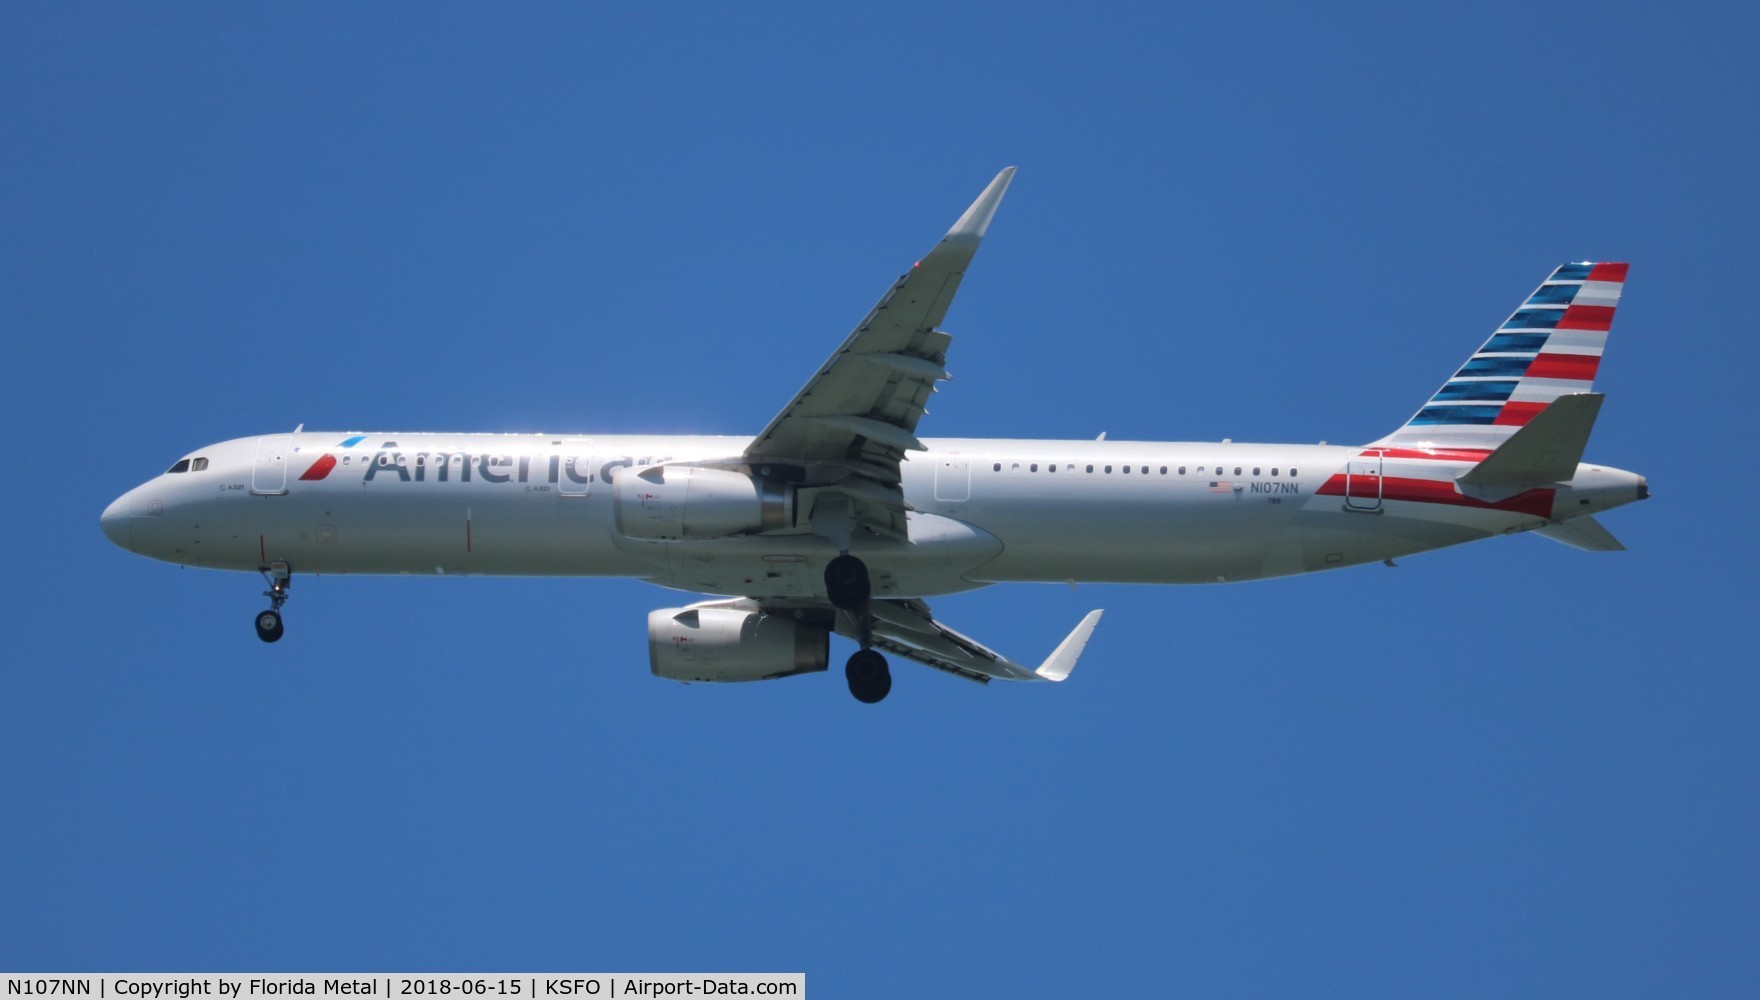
(1643, 488)
(114, 521)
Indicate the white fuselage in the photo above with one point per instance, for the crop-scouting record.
(983, 511)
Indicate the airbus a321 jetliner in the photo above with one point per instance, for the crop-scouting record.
(838, 518)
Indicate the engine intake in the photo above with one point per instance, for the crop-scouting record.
(681, 501)
(706, 643)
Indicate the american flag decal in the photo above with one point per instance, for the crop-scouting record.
(1222, 487)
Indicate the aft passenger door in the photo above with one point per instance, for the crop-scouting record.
(1362, 482)
(269, 472)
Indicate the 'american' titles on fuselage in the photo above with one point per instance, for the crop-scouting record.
(492, 467)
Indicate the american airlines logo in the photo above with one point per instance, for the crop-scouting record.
(321, 468)
(488, 467)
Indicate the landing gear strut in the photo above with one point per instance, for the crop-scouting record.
(269, 626)
(870, 679)
(848, 586)
(846, 582)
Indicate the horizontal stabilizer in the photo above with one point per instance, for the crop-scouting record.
(1584, 533)
(1545, 450)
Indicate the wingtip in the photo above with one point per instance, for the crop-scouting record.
(976, 220)
(1062, 661)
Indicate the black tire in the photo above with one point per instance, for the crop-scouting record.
(846, 582)
(269, 627)
(870, 679)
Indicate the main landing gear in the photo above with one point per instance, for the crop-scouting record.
(870, 679)
(848, 587)
(846, 582)
(269, 627)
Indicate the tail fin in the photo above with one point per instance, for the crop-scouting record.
(1549, 347)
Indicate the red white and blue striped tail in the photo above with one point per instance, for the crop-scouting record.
(1550, 347)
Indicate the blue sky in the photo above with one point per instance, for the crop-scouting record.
(1510, 769)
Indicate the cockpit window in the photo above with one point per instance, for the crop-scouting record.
(198, 465)
(181, 466)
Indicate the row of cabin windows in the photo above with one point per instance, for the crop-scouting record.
(189, 465)
(1126, 469)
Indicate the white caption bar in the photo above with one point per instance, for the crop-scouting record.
(404, 985)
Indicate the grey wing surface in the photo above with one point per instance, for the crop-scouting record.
(852, 423)
(908, 629)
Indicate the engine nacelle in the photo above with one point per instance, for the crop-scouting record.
(733, 644)
(680, 501)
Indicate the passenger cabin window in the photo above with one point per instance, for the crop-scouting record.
(198, 465)
(1125, 469)
(1237, 470)
(1255, 470)
(1109, 470)
(1164, 470)
(1090, 468)
(1033, 468)
(1292, 472)
(1274, 470)
(181, 466)
(998, 466)
(1182, 470)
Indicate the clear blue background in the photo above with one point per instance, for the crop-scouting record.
(1508, 769)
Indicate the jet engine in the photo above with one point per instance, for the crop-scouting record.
(708, 643)
(681, 501)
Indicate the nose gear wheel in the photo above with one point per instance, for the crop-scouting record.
(268, 623)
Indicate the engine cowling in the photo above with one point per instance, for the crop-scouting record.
(733, 644)
(681, 501)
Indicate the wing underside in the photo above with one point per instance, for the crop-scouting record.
(908, 629)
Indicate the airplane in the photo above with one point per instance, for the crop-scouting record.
(838, 518)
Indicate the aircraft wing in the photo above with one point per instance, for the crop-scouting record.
(853, 421)
(907, 629)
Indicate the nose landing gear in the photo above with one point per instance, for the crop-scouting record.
(269, 627)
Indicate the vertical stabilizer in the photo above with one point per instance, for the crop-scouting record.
(1549, 347)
